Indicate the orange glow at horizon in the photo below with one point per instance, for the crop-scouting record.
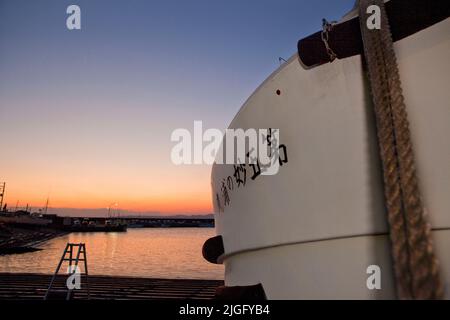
(94, 150)
(168, 189)
(196, 203)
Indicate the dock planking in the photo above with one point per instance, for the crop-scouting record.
(27, 286)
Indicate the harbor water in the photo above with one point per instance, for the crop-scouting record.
(149, 252)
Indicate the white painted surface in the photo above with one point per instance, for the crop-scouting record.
(331, 269)
(331, 186)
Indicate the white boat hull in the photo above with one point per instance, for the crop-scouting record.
(311, 230)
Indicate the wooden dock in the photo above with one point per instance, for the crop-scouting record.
(26, 286)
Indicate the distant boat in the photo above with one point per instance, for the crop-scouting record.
(98, 228)
(313, 229)
(87, 225)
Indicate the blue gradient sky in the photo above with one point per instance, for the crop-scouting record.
(86, 116)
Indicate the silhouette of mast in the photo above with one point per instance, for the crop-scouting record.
(46, 206)
(2, 193)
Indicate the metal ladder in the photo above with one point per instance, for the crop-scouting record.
(73, 259)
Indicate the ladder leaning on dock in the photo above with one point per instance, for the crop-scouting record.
(73, 260)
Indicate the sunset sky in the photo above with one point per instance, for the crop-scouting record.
(86, 115)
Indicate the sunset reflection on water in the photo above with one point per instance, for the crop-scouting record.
(153, 253)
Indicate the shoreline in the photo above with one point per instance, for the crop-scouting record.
(17, 240)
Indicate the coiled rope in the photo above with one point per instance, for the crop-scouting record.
(416, 268)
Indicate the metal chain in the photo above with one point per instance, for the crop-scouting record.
(326, 29)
